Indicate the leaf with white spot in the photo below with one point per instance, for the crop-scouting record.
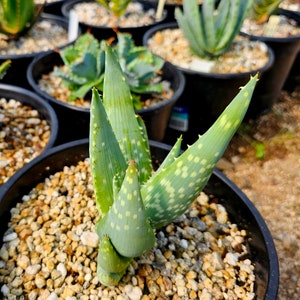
(125, 223)
(169, 193)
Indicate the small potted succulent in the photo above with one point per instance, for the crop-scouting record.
(103, 18)
(26, 32)
(280, 30)
(133, 201)
(205, 44)
(66, 77)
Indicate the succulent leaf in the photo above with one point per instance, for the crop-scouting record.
(119, 108)
(4, 67)
(18, 16)
(125, 223)
(104, 164)
(169, 193)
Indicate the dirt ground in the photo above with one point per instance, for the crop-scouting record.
(263, 159)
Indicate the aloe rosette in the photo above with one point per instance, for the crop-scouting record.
(133, 200)
(210, 31)
(18, 16)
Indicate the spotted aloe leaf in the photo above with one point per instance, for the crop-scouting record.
(133, 201)
(209, 31)
(171, 191)
(18, 16)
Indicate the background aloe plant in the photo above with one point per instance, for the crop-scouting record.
(261, 10)
(132, 199)
(211, 31)
(84, 62)
(18, 16)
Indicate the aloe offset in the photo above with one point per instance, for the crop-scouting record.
(132, 199)
(18, 16)
(84, 66)
(210, 31)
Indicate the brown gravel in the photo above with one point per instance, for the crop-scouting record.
(24, 133)
(272, 182)
(50, 250)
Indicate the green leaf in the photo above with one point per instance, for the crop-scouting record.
(119, 109)
(125, 223)
(104, 164)
(169, 193)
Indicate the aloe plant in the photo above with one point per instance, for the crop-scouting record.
(84, 62)
(18, 16)
(210, 31)
(133, 200)
(4, 67)
(261, 10)
(117, 7)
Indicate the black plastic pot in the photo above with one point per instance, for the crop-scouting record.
(240, 208)
(74, 120)
(16, 74)
(31, 99)
(102, 32)
(205, 96)
(285, 52)
(54, 8)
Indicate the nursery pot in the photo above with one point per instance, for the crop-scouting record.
(16, 74)
(240, 208)
(31, 99)
(54, 7)
(74, 120)
(104, 32)
(205, 96)
(285, 51)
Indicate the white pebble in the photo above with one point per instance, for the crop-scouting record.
(4, 290)
(231, 258)
(62, 269)
(52, 296)
(89, 239)
(10, 237)
(134, 293)
(184, 243)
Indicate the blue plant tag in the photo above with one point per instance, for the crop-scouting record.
(179, 119)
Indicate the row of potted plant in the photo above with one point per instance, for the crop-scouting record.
(137, 63)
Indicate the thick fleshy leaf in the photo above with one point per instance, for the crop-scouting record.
(169, 193)
(106, 157)
(120, 112)
(125, 223)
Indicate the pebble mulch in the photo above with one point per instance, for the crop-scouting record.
(43, 36)
(174, 47)
(94, 14)
(50, 250)
(24, 133)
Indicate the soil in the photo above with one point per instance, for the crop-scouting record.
(263, 159)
